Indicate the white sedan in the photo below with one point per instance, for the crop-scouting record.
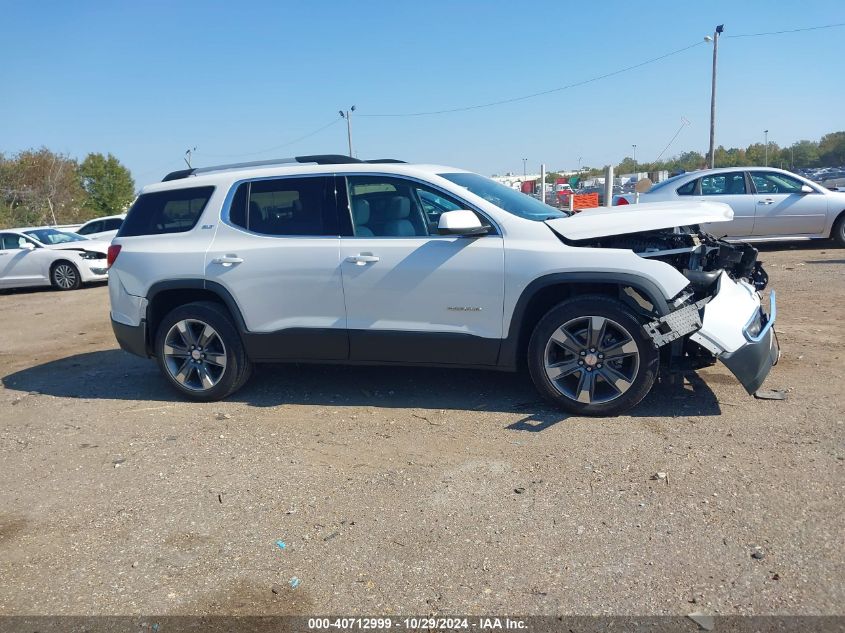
(768, 204)
(47, 256)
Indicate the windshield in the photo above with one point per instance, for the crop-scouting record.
(52, 236)
(505, 198)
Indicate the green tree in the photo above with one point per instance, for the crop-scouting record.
(803, 154)
(40, 187)
(109, 184)
(832, 149)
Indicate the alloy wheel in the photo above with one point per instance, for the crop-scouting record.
(65, 276)
(194, 354)
(591, 359)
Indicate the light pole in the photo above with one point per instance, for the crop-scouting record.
(766, 149)
(189, 153)
(524, 169)
(792, 156)
(634, 157)
(348, 116)
(715, 40)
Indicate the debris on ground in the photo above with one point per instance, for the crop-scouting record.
(294, 582)
(222, 416)
(331, 536)
(757, 553)
(519, 490)
(704, 621)
(276, 589)
(770, 394)
(660, 477)
(281, 544)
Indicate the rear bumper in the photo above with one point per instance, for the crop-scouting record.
(131, 338)
(752, 362)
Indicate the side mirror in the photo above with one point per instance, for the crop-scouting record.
(807, 189)
(28, 246)
(460, 222)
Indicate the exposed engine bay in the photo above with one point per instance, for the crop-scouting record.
(700, 256)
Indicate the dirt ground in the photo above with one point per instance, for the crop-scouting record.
(417, 491)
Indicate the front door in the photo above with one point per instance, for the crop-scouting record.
(277, 252)
(783, 209)
(413, 295)
(21, 266)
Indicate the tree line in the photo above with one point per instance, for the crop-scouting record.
(829, 151)
(38, 187)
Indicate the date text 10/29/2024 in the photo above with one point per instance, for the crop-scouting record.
(416, 623)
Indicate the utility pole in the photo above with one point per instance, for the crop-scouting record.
(634, 157)
(766, 149)
(792, 156)
(715, 40)
(524, 171)
(348, 116)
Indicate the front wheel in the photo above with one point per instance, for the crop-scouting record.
(200, 352)
(838, 232)
(591, 356)
(65, 276)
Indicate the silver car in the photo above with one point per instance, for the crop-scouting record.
(768, 204)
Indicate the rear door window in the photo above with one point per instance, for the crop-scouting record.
(93, 227)
(172, 211)
(286, 206)
(723, 184)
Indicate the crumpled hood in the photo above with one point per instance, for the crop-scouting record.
(98, 246)
(635, 218)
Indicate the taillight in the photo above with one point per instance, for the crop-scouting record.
(114, 251)
(621, 201)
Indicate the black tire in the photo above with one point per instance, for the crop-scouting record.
(838, 232)
(630, 373)
(65, 276)
(228, 346)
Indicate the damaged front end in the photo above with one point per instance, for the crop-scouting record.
(719, 314)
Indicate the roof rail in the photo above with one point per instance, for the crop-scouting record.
(314, 159)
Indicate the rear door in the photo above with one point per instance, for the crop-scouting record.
(413, 295)
(731, 188)
(277, 252)
(783, 209)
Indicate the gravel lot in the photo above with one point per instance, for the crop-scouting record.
(413, 491)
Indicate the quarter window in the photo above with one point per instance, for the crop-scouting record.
(171, 211)
(285, 206)
(772, 182)
(723, 184)
(687, 189)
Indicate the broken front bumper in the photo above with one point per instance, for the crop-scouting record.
(753, 362)
(748, 350)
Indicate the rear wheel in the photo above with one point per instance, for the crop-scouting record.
(200, 352)
(590, 356)
(65, 276)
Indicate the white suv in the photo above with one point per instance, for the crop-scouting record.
(331, 259)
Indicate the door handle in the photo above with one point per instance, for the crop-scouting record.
(362, 259)
(766, 201)
(228, 260)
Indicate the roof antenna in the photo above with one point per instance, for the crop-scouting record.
(188, 154)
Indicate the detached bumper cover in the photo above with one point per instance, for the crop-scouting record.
(752, 362)
(131, 338)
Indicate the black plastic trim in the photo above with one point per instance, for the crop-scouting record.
(510, 345)
(131, 338)
(297, 344)
(752, 363)
(437, 348)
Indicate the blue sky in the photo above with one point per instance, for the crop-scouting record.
(147, 80)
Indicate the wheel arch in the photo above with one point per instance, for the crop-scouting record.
(545, 292)
(164, 296)
(840, 217)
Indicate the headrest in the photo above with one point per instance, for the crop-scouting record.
(399, 208)
(360, 211)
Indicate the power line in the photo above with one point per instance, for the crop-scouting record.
(538, 94)
(808, 28)
(275, 147)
